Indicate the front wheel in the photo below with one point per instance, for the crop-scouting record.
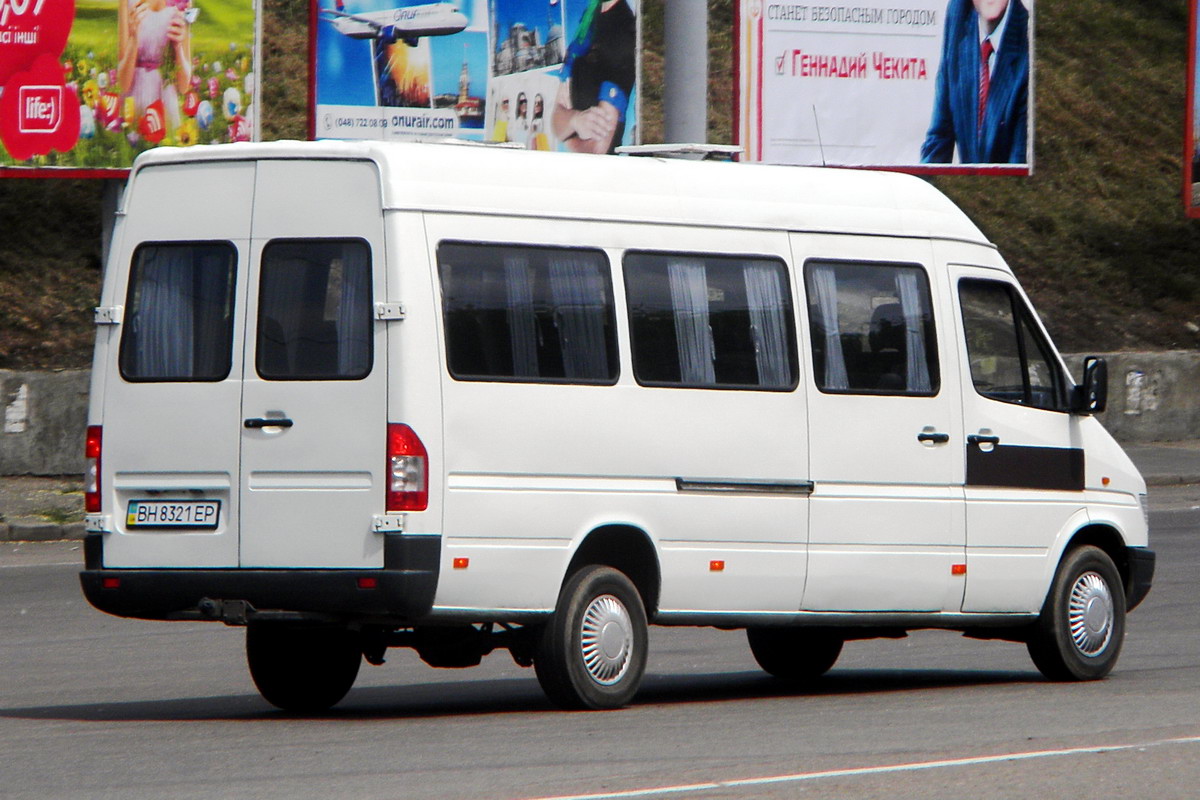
(302, 668)
(592, 653)
(795, 655)
(1082, 626)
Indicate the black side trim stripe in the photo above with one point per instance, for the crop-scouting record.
(803, 488)
(1025, 467)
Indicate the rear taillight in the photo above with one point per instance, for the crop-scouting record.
(91, 475)
(407, 470)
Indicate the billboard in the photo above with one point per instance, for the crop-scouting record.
(1191, 150)
(900, 84)
(86, 85)
(540, 74)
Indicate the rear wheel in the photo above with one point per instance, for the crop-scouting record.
(796, 655)
(302, 668)
(592, 653)
(1082, 626)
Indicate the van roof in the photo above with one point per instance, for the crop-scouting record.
(478, 179)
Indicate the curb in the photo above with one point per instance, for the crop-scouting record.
(39, 531)
(1172, 480)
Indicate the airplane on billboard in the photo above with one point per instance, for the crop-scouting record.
(406, 24)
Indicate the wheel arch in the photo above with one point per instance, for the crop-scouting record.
(1108, 539)
(626, 548)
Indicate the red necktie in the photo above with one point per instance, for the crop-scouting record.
(985, 53)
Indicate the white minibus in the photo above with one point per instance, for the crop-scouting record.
(353, 396)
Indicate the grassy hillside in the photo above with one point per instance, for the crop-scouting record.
(1097, 235)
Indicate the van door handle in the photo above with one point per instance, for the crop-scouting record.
(933, 438)
(979, 438)
(276, 422)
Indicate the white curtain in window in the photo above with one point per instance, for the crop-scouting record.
(354, 311)
(578, 291)
(764, 296)
(824, 285)
(908, 286)
(164, 321)
(522, 324)
(693, 336)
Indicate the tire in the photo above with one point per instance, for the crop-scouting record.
(592, 653)
(1082, 625)
(302, 669)
(795, 655)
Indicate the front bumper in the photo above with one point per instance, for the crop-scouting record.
(1141, 575)
(400, 592)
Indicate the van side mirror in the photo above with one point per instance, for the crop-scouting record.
(1091, 396)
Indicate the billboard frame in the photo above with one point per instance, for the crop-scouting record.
(9, 171)
(633, 126)
(741, 59)
(1189, 176)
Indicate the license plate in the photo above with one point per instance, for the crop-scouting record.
(201, 514)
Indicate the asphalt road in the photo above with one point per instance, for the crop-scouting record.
(97, 707)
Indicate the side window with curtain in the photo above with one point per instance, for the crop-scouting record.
(872, 328)
(179, 313)
(1010, 360)
(314, 310)
(524, 313)
(707, 321)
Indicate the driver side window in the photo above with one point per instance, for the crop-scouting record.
(1010, 360)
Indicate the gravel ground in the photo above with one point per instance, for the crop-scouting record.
(37, 508)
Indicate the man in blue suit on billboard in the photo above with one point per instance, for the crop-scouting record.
(984, 112)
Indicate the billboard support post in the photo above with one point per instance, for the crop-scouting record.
(685, 79)
(110, 201)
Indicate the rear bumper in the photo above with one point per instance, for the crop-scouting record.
(1141, 575)
(401, 592)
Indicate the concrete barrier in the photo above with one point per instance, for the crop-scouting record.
(44, 421)
(1152, 397)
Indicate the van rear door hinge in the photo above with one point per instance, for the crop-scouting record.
(389, 311)
(388, 523)
(97, 523)
(109, 315)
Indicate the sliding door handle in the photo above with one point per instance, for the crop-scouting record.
(979, 438)
(933, 437)
(274, 422)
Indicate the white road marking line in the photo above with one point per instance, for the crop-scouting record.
(857, 771)
(78, 563)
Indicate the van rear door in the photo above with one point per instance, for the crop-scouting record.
(314, 406)
(244, 408)
(170, 382)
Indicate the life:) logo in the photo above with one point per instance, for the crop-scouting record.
(38, 112)
(18, 8)
(39, 108)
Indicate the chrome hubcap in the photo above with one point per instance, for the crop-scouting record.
(1090, 614)
(606, 639)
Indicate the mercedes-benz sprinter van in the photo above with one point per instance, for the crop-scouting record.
(354, 396)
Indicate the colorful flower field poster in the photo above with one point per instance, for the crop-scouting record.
(88, 84)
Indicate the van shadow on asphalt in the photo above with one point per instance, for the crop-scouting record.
(518, 695)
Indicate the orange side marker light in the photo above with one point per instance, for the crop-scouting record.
(716, 566)
(958, 569)
(462, 563)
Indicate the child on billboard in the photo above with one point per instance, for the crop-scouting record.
(146, 29)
